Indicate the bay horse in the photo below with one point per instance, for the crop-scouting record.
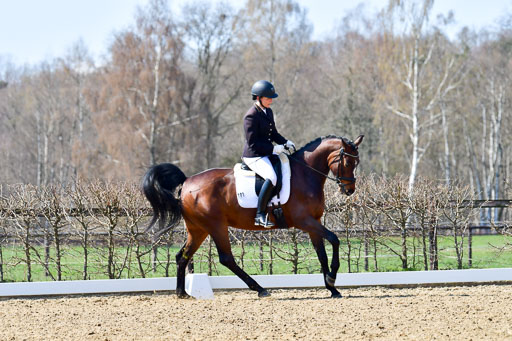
(208, 204)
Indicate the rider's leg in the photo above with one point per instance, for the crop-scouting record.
(263, 167)
(263, 198)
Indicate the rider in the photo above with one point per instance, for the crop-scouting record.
(260, 132)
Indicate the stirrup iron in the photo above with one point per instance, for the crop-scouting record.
(266, 223)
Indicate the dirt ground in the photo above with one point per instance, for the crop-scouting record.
(438, 313)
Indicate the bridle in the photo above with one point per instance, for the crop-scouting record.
(337, 159)
(339, 178)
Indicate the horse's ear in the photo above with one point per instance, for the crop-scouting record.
(359, 139)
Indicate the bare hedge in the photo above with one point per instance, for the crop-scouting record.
(100, 225)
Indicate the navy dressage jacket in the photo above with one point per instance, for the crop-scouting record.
(260, 132)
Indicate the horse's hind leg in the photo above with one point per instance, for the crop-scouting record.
(221, 238)
(195, 238)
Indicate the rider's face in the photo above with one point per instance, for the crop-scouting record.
(266, 102)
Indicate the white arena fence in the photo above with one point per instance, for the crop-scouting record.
(201, 285)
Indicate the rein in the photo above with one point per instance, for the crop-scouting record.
(314, 169)
(338, 179)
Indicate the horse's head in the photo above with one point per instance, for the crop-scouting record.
(343, 163)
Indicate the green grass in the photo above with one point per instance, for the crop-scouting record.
(488, 252)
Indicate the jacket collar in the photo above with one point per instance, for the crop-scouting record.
(268, 115)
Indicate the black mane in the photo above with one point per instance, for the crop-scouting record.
(318, 140)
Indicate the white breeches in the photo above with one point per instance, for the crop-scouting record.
(262, 167)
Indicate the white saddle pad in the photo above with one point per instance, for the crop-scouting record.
(245, 182)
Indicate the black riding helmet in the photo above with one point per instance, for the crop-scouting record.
(263, 89)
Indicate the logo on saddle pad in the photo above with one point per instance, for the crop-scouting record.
(245, 181)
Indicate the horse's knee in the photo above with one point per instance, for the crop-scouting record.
(333, 239)
(226, 259)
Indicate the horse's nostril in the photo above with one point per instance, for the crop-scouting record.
(350, 192)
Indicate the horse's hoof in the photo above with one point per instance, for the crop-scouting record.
(263, 294)
(183, 295)
(337, 295)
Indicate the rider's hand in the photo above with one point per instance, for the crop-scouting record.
(278, 149)
(289, 144)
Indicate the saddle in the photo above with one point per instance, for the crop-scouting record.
(276, 164)
(248, 186)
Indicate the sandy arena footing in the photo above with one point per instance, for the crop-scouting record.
(437, 313)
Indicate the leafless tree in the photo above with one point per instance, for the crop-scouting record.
(107, 197)
(23, 210)
(3, 231)
(81, 200)
(133, 207)
(458, 214)
(54, 211)
(211, 32)
(421, 87)
(138, 108)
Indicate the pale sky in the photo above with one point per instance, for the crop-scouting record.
(35, 30)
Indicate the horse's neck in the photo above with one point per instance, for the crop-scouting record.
(318, 159)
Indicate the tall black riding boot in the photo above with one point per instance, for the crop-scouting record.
(263, 198)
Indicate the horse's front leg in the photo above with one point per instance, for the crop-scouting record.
(317, 233)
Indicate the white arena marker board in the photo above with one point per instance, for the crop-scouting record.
(198, 286)
(503, 275)
(425, 277)
(370, 279)
(102, 286)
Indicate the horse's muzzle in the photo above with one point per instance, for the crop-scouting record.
(347, 191)
(343, 186)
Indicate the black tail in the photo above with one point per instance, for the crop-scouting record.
(159, 184)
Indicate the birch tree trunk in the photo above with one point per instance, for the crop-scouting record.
(427, 72)
(493, 148)
(446, 158)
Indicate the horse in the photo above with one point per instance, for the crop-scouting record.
(207, 202)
